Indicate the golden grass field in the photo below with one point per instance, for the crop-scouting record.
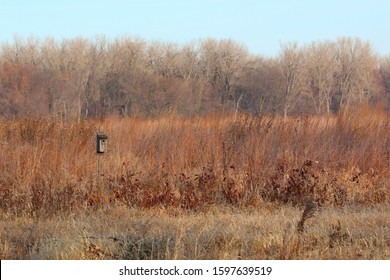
(212, 187)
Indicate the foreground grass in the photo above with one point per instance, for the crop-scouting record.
(218, 233)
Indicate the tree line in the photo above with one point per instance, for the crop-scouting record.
(83, 78)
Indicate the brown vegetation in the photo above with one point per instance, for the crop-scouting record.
(194, 163)
(191, 168)
(81, 79)
(220, 233)
(213, 153)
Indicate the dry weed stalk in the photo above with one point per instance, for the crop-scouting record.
(310, 209)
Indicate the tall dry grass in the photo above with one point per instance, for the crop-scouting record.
(214, 187)
(49, 166)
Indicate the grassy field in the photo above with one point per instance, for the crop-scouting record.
(214, 187)
(219, 233)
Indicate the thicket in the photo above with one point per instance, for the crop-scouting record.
(80, 78)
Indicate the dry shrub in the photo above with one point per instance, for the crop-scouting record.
(309, 180)
(367, 188)
(324, 186)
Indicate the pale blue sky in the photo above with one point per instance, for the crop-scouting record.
(260, 25)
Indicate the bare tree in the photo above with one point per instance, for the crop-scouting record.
(356, 65)
(222, 64)
(292, 69)
(320, 69)
(384, 72)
